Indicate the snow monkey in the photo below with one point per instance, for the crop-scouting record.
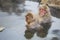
(31, 21)
(44, 13)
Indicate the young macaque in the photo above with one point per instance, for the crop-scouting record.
(44, 15)
(31, 21)
(29, 18)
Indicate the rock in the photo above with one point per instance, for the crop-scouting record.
(2, 28)
(54, 38)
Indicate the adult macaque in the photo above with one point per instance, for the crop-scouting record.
(44, 14)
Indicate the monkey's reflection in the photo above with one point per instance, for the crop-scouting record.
(42, 32)
(29, 34)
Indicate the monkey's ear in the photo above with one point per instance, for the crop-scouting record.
(47, 4)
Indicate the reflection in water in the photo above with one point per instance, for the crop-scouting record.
(42, 32)
(29, 34)
(54, 38)
(56, 31)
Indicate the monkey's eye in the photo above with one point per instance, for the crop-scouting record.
(41, 3)
(27, 16)
(47, 4)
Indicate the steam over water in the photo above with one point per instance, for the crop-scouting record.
(15, 26)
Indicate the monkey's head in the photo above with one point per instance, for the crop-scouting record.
(29, 17)
(43, 9)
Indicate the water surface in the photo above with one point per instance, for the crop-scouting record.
(15, 26)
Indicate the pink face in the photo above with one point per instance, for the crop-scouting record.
(42, 11)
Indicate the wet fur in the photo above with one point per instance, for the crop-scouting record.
(47, 17)
(33, 23)
(30, 21)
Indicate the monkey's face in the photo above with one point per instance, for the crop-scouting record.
(42, 10)
(29, 18)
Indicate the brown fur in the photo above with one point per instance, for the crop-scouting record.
(32, 22)
(47, 17)
(29, 18)
(55, 2)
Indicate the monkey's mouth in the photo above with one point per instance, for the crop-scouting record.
(42, 12)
